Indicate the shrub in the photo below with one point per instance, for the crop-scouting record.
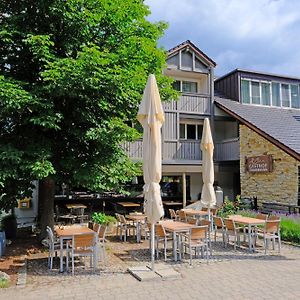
(290, 229)
(229, 207)
(102, 218)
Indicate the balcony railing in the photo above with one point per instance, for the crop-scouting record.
(227, 150)
(171, 150)
(188, 150)
(190, 103)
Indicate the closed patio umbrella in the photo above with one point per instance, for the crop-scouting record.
(208, 196)
(151, 116)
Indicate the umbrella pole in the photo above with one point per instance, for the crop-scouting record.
(152, 246)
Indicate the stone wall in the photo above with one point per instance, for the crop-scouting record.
(280, 185)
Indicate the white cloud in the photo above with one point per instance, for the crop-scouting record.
(235, 33)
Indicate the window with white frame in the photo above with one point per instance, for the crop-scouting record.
(186, 86)
(270, 93)
(190, 131)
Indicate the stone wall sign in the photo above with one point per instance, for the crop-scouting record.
(258, 164)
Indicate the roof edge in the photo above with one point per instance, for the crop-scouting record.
(195, 48)
(272, 140)
(256, 73)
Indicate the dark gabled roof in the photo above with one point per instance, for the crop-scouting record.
(194, 48)
(280, 126)
(257, 73)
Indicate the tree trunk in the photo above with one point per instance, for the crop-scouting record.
(46, 206)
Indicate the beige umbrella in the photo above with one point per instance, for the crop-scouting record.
(208, 196)
(151, 116)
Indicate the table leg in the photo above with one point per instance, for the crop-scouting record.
(174, 246)
(138, 232)
(61, 269)
(249, 238)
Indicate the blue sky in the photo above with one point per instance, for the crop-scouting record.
(260, 35)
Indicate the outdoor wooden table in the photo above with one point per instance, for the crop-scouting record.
(176, 227)
(172, 203)
(195, 212)
(137, 219)
(67, 233)
(128, 204)
(248, 222)
(75, 205)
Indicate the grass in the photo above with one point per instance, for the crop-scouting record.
(289, 226)
(4, 283)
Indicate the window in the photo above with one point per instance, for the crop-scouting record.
(295, 97)
(285, 95)
(190, 131)
(189, 87)
(275, 94)
(265, 93)
(255, 92)
(176, 85)
(245, 87)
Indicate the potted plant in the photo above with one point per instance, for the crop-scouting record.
(104, 219)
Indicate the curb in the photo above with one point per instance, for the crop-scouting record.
(22, 274)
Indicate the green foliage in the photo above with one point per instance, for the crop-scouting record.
(4, 283)
(72, 75)
(229, 207)
(290, 230)
(102, 218)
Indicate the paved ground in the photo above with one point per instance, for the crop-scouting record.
(235, 276)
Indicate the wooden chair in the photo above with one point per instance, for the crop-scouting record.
(172, 213)
(83, 245)
(207, 223)
(196, 239)
(219, 227)
(80, 216)
(182, 216)
(232, 230)
(262, 216)
(101, 240)
(273, 218)
(271, 231)
(193, 221)
(126, 226)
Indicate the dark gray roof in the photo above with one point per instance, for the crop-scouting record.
(279, 124)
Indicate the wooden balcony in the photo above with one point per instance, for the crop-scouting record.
(190, 103)
(227, 150)
(171, 150)
(187, 151)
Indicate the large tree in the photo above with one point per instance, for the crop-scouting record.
(71, 76)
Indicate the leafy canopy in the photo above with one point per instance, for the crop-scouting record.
(71, 77)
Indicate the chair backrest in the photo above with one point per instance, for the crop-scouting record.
(272, 226)
(218, 222)
(204, 208)
(122, 219)
(229, 224)
(205, 222)
(214, 211)
(199, 232)
(96, 227)
(273, 218)
(262, 216)
(50, 235)
(85, 241)
(182, 215)
(159, 230)
(172, 213)
(102, 231)
(193, 221)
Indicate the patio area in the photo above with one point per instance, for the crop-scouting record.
(228, 275)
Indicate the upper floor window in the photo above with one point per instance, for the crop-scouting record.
(186, 86)
(190, 131)
(270, 93)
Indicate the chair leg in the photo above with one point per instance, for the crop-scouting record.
(165, 249)
(279, 243)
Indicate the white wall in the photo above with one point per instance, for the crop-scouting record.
(196, 185)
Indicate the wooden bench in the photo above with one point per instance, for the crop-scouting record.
(269, 207)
